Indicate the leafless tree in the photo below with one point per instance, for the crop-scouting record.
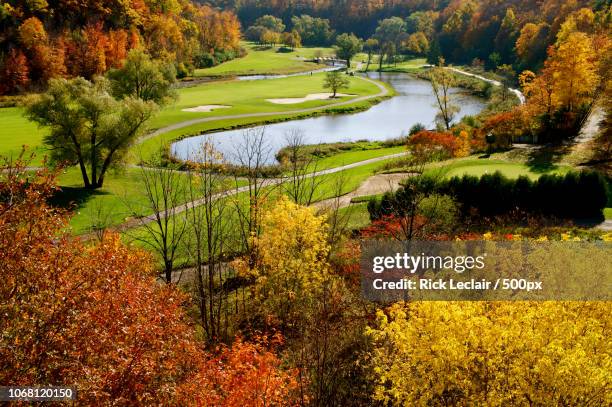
(253, 154)
(301, 184)
(164, 230)
(338, 220)
(416, 206)
(210, 218)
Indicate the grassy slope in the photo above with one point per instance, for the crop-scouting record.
(350, 157)
(410, 65)
(267, 61)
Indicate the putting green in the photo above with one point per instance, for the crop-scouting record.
(479, 168)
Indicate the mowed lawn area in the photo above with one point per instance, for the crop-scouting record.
(479, 167)
(16, 131)
(122, 196)
(244, 97)
(268, 61)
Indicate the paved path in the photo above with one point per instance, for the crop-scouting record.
(383, 92)
(265, 183)
(517, 92)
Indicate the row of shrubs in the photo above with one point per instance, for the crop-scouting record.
(207, 59)
(574, 195)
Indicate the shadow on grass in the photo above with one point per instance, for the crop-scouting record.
(546, 158)
(73, 198)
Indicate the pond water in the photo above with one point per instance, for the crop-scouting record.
(390, 119)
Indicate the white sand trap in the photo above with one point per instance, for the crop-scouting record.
(312, 96)
(205, 108)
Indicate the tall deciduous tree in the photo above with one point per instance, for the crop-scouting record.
(442, 81)
(575, 70)
(144, 78)
(370, 46)
(347, 46)
(87, 125)
(15, 73)
(390, 34)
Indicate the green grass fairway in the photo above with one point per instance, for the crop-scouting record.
(250, 97)
(268, 61)
(480, 167)
(608, 213)
(244, 97)
(122, 192)
(350, 157)
(406, 66)
(17, 131)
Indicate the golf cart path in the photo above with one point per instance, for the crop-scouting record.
(383, 92)
(517, 92)
(136, 222)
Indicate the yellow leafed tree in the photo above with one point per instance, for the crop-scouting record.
(574, 69)
(292, 264)
(493, 354)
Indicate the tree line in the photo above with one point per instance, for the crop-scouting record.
(42, 41)
(463, 31)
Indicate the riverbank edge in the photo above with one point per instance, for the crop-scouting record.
(358, 107)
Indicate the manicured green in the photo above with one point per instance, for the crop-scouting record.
(410, 65)
(251, 97)
(268, 61)
(244, 97)
(479, 167)
(350, 157)
(608, 213)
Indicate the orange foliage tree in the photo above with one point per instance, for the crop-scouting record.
(15, 74)
(434, 145)
(86, 38)
(94, 317)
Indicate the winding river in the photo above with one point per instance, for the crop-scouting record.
(390, 119)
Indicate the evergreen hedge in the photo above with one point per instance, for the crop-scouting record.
(574, 195)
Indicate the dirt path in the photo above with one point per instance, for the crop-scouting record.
(375, 185)
(383, 92)
(517, 92)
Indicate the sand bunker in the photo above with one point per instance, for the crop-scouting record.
(312, 96)
(205, 108)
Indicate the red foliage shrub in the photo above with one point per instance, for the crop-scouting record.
(434, 145)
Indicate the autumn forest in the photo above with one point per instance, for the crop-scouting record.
(193, 193)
